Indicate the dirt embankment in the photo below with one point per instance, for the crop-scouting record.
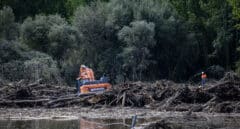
(222, 96)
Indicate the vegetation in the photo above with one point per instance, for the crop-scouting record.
(126, 39)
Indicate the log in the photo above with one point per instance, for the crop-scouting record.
(35, 83)
(70, 99)
(124, 99)
(23, 102)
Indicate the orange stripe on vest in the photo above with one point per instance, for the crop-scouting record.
(204, 76)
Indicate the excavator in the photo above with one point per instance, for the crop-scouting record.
(86, 82)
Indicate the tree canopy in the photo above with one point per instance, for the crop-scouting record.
(128, 40)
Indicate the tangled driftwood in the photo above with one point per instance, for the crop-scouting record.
(222, 96)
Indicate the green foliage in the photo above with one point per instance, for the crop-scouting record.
(26, 8)
(132, 56)
(13, 70)
(98, 48)
(35, 31)
(18, 63)
(8, 27)
(222, 45)
(139, 38)
(236, 15)
(238, 67)
(41, 66)
(62, 39)
(50, 34)
(127, 39)
(120, 12)
(215, 71)
(9, 51)
(236, 10)
(212, 22)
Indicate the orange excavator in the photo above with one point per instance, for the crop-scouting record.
(86, 81)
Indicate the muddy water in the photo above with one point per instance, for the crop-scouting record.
(183, 122)
(206, 122)
(63, 124)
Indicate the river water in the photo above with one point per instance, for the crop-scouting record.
(185, 122)
(64, 124)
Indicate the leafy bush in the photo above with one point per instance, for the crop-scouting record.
(9, 50)
(18, 63)
(99, 45)
(215, 71)
(139, 38)
(42, 66)
(62, 39)
(13, 70)
(8, 28)
(50, 34)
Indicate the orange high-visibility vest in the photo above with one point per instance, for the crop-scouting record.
(92, 78)
(86, 73)
(90, 74)
(83, 73)
(204, 76)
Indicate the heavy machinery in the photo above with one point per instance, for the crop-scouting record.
(86, 81)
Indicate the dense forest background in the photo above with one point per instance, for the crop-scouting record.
(129, 40)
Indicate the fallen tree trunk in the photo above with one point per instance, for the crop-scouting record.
(24, 103)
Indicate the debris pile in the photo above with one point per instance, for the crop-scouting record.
(24, 94)
(162, 124)
(222, 96)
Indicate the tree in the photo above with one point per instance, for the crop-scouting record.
(41, 66)
(98, 48)
(26, 8)
(139, 38)
(72, 5)
(18, 63)
(50, 34)
(62, 39)
(236, 10)
(10, 50)
(212, 22)
(224, 42)
(8, 28)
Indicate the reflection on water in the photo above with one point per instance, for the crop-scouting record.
(219, 122)
(39, 124)
(63, 124)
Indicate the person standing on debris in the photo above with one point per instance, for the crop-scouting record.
(204, 78)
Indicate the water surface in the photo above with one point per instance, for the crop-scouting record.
(184, 122)
(64, 124)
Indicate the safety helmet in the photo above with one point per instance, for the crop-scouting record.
(202, 72)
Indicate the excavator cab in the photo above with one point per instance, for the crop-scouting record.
(86, 81)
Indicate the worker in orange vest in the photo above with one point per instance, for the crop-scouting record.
(204, 78)
(90, 74)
